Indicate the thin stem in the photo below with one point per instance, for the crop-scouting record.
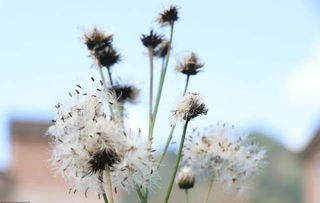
(209, 190)
(102, 76)
(187, 196)
(150, 52)
(162, 64)
(161, 74)
(102, 189)
(108, 185)
(105, 89)
(161, 82)
(105, 198)
(140, 195)
(145, 200)
(172, 129)
(177, 162)
(186, 86)
(167, 144)
(110, 77)
(121, 113)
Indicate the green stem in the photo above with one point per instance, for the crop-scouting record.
(150, 51)
(177, 162)
(140, 195)
(209, 190)
(162, 64)
(105, 198)
(167, 144)
(161, 82)
(121, 113)
(186, 86)
(172, 129)
(187, 196)
(105, 89)
(110, 77)
(102, 77)
(161, 74)
(146, 196)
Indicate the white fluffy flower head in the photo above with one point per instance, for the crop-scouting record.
(191, 106)
(85, 141)
(221, 154)
(138, 167)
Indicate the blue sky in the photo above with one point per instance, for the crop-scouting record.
(262, 60)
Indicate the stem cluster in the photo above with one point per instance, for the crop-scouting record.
(153, 111)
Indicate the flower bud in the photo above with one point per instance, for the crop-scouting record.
(185, 178)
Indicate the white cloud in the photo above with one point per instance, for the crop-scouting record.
(303, 84)
(296, 139)
(302, 89)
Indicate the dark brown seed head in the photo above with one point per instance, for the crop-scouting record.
(168, 16)
(190, 64)
(97, 39)
(102, 159)
(107, 57)
(152, 40)
(125, 93)
(162, 49)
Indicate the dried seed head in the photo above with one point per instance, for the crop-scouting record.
(106, 57)
(191, 106)
(85, 141)
(82, 138)
(221, 153)
(125, 93)
(162, 49)
(152, 40)
(168, 16)
(102, 159)
(96, 39)
(101, 49)
(185, 178)
(138, 167)
(189, 65)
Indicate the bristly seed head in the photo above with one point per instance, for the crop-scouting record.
(168, 16)
(162, 50)
(152, 40)
(86, 141)
(107, 57)
(97, 39)
(221, 153)
(125, 93)
(186, 178)
(191, 106)
(190, 64)
(102, 159)
(101, 49)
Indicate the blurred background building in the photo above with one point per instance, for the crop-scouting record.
(29, 177)
(311, 156)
